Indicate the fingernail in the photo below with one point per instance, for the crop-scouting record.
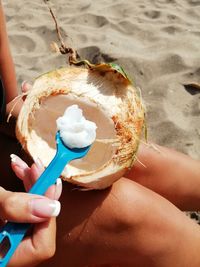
(23, 83)
(25, 86)
(44, 207)
(39, 164)
(19, 162)
(58, 189)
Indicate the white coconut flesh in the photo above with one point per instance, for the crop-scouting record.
(106, 100)
(75, 130)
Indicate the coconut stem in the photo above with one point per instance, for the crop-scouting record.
(63, 48)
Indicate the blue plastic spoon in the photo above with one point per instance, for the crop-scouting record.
(12, 233)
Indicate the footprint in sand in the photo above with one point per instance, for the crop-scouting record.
(23, 43)
(194, 2)
(96, 21)
(153, 14)
(94, 55)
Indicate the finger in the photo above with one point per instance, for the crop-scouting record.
(35, 171)
(54, 191)
(58, 190)
(30, 175)
(23, 207)
(21, 170)
(17, 161)
(39, 168)
(37, 248)
(25, 86)
(26, 174)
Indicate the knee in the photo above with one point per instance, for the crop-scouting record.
(123, 209)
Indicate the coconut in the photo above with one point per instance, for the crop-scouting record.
(108, 98)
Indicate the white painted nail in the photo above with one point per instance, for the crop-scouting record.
(43, 207)
(56, 208)
(19, 162)
(23, 83)
(58, 189)
(39, 164)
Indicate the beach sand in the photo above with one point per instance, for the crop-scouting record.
(156, 42)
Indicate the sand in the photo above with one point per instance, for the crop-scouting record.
(157, 43)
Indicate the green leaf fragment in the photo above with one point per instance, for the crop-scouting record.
(119, 69)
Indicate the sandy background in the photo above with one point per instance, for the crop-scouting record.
(156, 41)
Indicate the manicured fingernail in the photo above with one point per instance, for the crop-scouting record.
(19, 162)
(25, 86)
(44, 207)
(58, 189)
(23, 83)
(39, 164)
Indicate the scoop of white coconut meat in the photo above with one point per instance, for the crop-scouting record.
(107, 100)
(75, 130)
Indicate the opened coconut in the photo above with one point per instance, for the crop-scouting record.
(107, 97)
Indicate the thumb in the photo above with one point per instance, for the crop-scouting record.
(23, 207)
